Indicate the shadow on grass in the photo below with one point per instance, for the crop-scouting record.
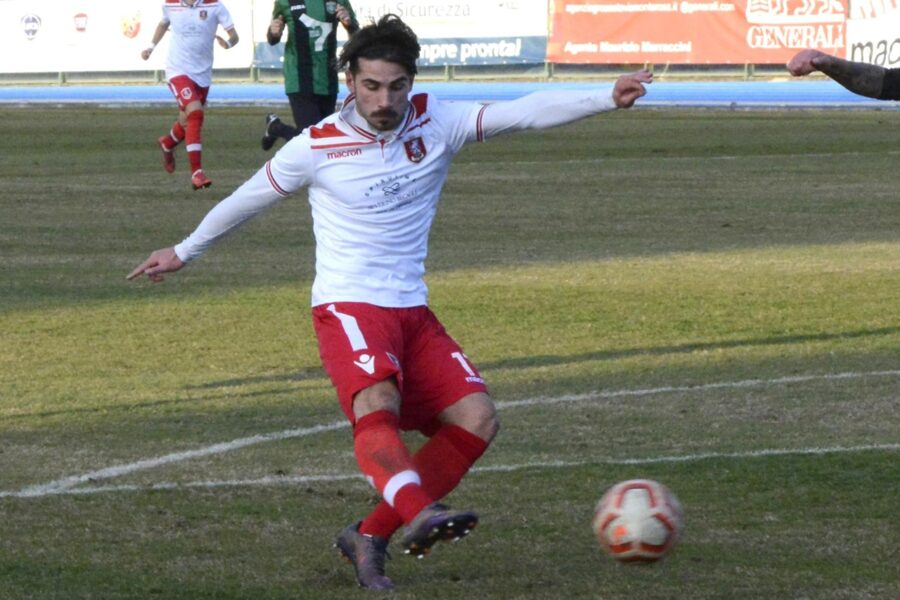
(158, 403)
(548, 360)
(512, 363)
(303, 375)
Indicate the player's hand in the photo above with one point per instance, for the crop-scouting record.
(343, 15)
(223, 42)
(276, 27)
(804, 62)
(630, 87)
(146, 52)
(161, 261)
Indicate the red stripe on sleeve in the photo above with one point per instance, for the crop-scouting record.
(280, 190)
(479, 127)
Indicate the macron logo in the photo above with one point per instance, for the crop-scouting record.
(343, 153)
(366, 363)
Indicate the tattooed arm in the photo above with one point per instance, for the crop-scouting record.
(891, 88)
(860, 78)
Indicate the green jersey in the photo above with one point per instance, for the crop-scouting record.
(310, 62)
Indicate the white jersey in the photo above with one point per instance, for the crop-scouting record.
(193, 37)
(374, 194)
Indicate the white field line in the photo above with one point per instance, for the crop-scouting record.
(556, 464)
(746, 383)
(66, 484)
(150, 463)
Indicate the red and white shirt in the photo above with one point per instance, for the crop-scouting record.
(374, 194)
(193, 37)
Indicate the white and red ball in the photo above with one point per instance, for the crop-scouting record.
(639, 520)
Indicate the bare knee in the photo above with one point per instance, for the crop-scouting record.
(475, 413)
(383, 395)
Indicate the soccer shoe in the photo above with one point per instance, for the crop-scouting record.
(366, 553)
(436, 523)
(199, 180)
(268, 139)
(168, 156)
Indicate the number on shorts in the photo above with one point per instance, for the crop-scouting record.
(461, 358)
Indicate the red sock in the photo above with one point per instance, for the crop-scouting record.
(193, 138)
(386, 463)
(442, 463)
(176, 134)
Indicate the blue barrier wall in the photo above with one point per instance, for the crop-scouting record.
(734, 94)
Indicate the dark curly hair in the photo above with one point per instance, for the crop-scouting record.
(390, 40)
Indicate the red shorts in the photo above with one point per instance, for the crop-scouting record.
(186, 91)
(361, 344)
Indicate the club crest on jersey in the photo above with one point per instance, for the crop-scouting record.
(203, 15)
(415, 149)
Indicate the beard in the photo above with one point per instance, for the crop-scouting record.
(384, 120)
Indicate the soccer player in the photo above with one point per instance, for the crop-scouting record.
(189, 73)
(374, 173)
(310, 64)
(860, 78)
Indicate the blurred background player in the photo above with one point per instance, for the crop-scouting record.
(310, 66)
(860, 78)
(189, 72)
(374, 174)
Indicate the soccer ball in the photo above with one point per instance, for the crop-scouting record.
(638, 520)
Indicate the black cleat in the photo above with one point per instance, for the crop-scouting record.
(268, 140)
(436, 523)
(366, 553)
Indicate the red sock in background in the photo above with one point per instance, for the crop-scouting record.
(193, 138)
(176, 134)
(442, 463)
(386, 463)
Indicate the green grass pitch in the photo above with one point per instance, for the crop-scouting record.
(707, 298)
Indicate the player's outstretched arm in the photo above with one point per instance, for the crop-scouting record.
(860, 78)
(630, 87)
(159, 262)
(161, 30)
(254, 196)
(553, 107)
(802, 63)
